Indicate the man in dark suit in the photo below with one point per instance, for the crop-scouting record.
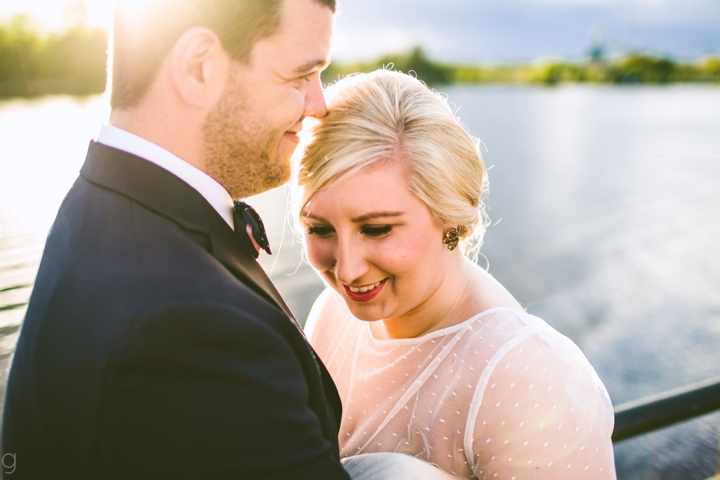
(154, 345)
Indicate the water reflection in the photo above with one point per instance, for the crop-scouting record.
(607, 198)
(42, 147)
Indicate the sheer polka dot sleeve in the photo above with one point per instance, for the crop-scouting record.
(499, 396)
(541, 413)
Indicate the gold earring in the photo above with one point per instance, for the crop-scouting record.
(452, 236)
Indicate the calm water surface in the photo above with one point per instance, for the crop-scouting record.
(605, 208)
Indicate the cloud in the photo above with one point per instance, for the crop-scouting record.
(510, 30)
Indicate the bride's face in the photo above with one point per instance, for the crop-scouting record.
(376, 243)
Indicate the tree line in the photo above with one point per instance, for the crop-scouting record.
(71, 62)
(74, 62)
(631, 69)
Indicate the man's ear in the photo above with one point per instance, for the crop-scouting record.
(199, 67)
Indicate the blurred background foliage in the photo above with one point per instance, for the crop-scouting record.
(637, 68)
(74, 62)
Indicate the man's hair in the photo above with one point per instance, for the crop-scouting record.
(145, 34)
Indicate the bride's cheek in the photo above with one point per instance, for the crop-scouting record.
(320, 253)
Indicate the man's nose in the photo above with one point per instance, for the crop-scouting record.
(315, 105)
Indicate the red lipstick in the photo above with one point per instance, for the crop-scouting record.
(363, 297)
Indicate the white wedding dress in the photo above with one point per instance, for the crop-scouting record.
(501, 395)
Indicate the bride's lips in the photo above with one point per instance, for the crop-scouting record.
(370, 291)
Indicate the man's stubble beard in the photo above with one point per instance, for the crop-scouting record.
(240, 152)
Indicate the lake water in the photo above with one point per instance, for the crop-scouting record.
(605, 205)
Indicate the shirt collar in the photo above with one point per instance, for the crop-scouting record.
(205, 185)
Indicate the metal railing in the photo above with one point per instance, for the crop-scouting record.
(668, 408)
(665, 409)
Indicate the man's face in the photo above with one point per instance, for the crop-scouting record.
(252, 132)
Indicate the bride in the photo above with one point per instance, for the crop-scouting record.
(432, 357)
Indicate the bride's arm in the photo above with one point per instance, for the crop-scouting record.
(545, 415)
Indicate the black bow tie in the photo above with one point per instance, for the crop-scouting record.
(244, 215)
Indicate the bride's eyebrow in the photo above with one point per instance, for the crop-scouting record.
(313, 216)
(373, 215)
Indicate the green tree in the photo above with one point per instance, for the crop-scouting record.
(69, 62)
(416, 61)
(18, 46)
(710, 69)
(643, 69)
(75, 59)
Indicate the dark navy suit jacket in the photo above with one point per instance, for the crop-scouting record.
(155, 346)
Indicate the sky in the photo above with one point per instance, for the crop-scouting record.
(487, 31)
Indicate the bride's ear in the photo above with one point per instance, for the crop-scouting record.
(199, 66)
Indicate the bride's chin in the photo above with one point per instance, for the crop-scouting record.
(363, 314)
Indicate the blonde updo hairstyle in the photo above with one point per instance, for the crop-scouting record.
(386, 115)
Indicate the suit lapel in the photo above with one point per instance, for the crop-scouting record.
(167, 195)
(228, 249)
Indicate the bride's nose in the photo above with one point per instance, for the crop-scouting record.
(350, 261)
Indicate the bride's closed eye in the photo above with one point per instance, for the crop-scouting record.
(376, 231)
(320, 231)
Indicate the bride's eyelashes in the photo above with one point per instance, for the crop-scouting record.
(371, 231)
(320, 231)
(376, 231)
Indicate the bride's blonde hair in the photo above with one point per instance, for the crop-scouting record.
(386, 115)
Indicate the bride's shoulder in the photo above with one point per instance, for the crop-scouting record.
(525, 350)
(519, 328)
(328, 308)
(529, 358)
(538, 389)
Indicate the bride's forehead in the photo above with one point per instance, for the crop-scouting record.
(368, 187)
(358, 205)
(377, 176)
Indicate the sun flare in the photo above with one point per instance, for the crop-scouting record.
(55, 15)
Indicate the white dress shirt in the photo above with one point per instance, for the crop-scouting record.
(205, 185)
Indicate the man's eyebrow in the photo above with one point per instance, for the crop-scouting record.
(312, 65)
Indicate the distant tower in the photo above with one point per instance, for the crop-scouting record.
(597, 44)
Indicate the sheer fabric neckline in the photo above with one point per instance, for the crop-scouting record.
(452, 329)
